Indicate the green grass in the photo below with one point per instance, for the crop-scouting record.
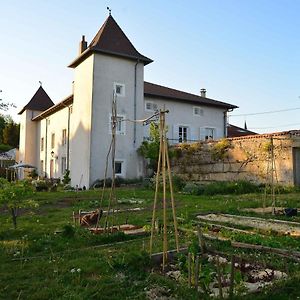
(38, 263)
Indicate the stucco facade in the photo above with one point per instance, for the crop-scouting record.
(75, 134)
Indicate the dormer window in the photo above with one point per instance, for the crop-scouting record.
(119, 89)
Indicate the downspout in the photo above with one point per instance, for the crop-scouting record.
(225, 121)
(134, 104)
(46, 144)
(68, 139)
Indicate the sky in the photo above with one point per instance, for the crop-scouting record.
(244, 52)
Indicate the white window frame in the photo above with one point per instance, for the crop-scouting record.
(122, 85)
(42, 144)
(123, 131)
(64, 137)
(201, 111)
(63, 165)
(205, 128)
(187, 133)
(53, 137)
(123, 167)
(151, 103)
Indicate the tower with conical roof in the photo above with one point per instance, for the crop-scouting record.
(109, 66)
(28, 129)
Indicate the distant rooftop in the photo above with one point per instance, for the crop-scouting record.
(40, 101)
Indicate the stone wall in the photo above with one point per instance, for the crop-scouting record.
(244, 158)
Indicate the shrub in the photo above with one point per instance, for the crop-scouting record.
(68, 231)
(66, 179)
(40, 185)
(221, 188)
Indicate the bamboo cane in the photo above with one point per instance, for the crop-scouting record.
(155, 195)
(172, 197)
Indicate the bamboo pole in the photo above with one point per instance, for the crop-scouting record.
(189, 269)
(165, 245)
(172, 197)
(196, 272)
(219, 277)
(155, 195)
(232, 277)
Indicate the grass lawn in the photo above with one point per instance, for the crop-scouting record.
(44, 259)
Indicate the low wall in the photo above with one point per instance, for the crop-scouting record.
(245, 158)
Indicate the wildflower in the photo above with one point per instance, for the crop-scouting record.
(73, 270)
(78, 270)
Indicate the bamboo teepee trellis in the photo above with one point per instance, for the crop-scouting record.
(164, 170)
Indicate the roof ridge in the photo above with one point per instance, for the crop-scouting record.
(205, 99)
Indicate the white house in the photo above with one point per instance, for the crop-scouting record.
(75, 134)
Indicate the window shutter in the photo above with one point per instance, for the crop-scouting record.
(175, 136)
(202, 133)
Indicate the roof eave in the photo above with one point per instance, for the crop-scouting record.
(64, 103)
(224, 105)
(90, 51)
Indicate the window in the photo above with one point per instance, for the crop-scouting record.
(119, 89)
(120, 125)
(64, 137)
(42, 166)
(42, 144)
(182, 134)
(198, 111)
(119, 167)
(209, 133)
(63, 165)
(150, 106)
(52, 140)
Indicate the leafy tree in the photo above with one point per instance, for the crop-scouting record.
(11, 133)
(150, 149)
(16, 195)
(2, 126)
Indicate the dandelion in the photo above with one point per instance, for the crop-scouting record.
(78, 270)
(73, 270)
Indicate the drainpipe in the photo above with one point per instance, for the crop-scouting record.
(134, 104)
(225, 121)
(68, 139)
(46, 144)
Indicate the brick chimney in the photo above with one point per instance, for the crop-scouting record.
(82, 45)
(203, 93)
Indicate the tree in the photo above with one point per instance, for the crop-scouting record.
(2, 126)
(11, 133)
(16, 195)
(150, 149)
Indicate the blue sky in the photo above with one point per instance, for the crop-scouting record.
(243, 52)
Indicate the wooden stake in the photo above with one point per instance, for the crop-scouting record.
(172, 197)
(155, 195)
(165, 245)
(232, 277)
(219, 279)
(201, 240)
(196, 272)
(189, 269)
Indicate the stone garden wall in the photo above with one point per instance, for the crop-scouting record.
(244, 158)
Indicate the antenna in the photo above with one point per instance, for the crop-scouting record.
(40, 83)
(109, 10)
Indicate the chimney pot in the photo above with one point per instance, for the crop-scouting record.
(203, 93)
(82, 45)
